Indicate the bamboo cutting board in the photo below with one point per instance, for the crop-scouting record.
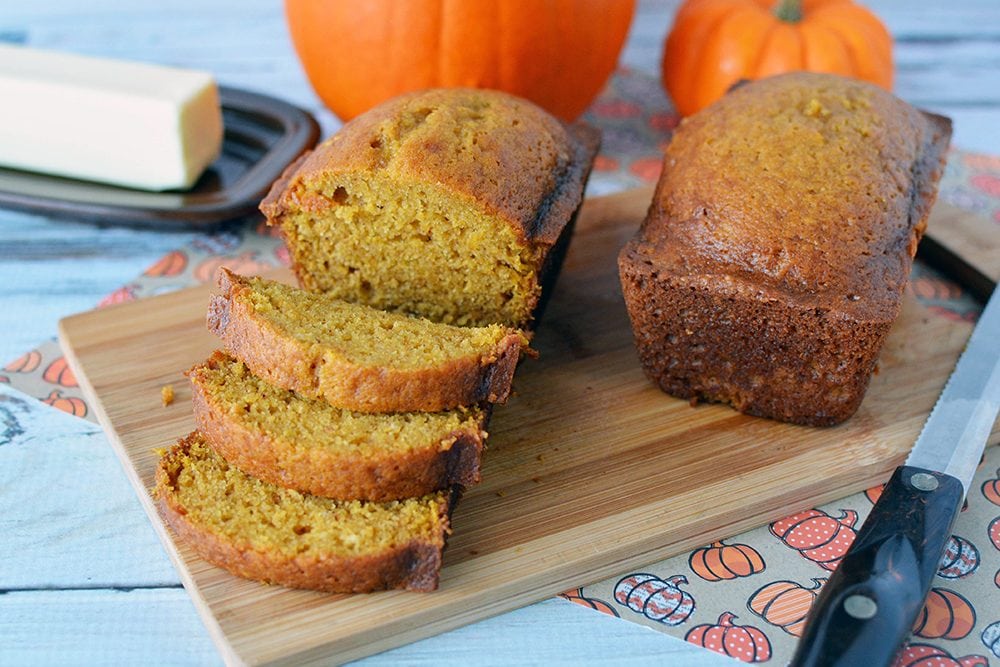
(590, 470)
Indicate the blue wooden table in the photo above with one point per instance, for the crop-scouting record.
(83, 579)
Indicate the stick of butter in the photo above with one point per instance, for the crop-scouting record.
(131, 124)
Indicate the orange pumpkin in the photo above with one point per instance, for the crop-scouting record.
(26, 363)
(925, 655)
(59, 372)
(818, 536)
(556, 53)
(785, 604)
(246, 263)
(991, 489)
(946, 615)
(743, 642)
(71, 404)
(715, 43)
(993, 530)
(720, 561)
(171, 264)
(576, 596)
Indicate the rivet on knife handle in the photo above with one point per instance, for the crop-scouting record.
(866, 611)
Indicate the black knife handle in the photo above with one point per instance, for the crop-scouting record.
(867, 609)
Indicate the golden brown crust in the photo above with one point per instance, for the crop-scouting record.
(414, 566)
(344, 475)
(287, 363)
(535, 160)
(772, 284)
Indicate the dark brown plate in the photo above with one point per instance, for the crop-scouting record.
(262, 136)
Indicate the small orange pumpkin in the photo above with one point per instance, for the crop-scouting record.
(993, 530)
(557, 53)
(59, 372)
(991, 489)
(171, 264)
(715, 43)
(26, 363)
(576, 596)
(785, 604)
(818, 536)
(946, 615)
(720, 561)
(246, 263)
(925, 655)
(743, 642)
(70, 404)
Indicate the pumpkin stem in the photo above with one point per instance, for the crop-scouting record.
(726, 619)
(789, 11)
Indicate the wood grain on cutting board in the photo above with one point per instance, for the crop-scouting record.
(590, 469)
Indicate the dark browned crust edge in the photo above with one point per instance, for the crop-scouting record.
(587, 142)
(453, 459)
(281, 361)
(414, 566)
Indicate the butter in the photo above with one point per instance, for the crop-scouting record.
(126, 123)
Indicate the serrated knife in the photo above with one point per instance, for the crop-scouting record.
(868, 607)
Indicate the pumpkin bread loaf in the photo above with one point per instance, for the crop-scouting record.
(773, 259)
(261, 531)
(452, 204)
(307, 444)
(357, 357)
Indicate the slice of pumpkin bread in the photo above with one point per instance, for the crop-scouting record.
(261, 531)
(453, 204)
(307, 444)
(357, 357)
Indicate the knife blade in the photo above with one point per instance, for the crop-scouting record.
(869, 605)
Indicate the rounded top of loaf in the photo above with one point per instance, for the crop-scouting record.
(502, 153)
(808, 182)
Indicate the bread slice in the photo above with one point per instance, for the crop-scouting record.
(453, 204)
(307, 444)
(357, 357)
(265, 532)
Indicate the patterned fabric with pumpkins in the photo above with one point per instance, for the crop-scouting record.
(747, 595)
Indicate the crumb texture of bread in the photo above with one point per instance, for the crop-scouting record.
(358, 357)
(265, 532)
(772, 262)
(444, 203)
(306, 444)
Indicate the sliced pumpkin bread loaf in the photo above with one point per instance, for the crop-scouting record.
(453, 204)
(358, 357)
(307, 444)
(261, 531)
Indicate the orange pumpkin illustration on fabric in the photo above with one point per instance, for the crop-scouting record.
(925, 655)
(991, 489)
(743, 642)
(576, 596)
(818, 536)
(120, 295)
(171, 264)
(657, 599)
(946, 615)
(994, 532)
(26, 363)
(59, 372)
(70, 404)
(874, 493)
(960, 559)
(719, 561)
(4, 379)
(246, 264)
(785, 604)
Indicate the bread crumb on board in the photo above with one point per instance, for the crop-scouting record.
(167, 394)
